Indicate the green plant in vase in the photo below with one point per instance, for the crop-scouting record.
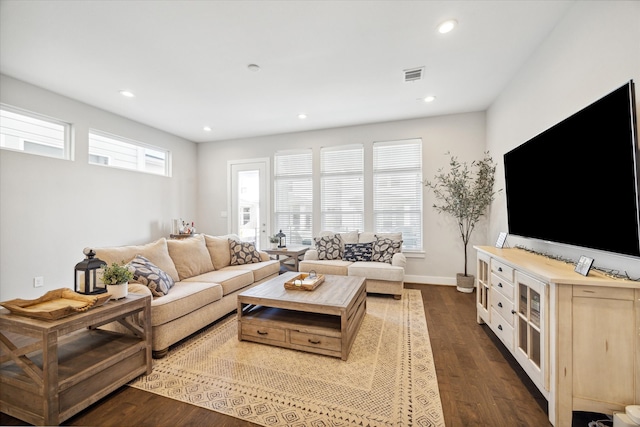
(465, 192)
(116, 277)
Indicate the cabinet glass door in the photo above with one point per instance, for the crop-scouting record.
(529, 323)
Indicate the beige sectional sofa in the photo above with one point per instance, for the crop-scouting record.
(383, 276)
(206, 282)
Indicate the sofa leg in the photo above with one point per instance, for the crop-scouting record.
(397, 296)
(159, 354)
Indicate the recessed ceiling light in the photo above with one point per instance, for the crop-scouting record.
(253, 67)
(429, 98)
(447, 26)
(207, 128)
(302, 116)
(127, 93)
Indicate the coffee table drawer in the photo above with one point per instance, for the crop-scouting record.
(264, 332)
(316, 341)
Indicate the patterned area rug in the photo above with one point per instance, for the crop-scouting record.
(389, 378)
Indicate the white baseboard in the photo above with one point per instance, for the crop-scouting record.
(430, 280)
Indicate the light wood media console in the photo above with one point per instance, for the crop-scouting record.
(577, 337)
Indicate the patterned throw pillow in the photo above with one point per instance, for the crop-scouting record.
(329, 247)
(243, 253)
(384, 249)
(358, 251)
(147, 273)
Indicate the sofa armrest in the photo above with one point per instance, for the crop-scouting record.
(311, 255)
(399, 260)
(264, 256)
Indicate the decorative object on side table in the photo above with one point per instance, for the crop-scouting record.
(116, 277)
(55, 304)
(466, 196)
(86, 279)
(273, 241)
(282, 239)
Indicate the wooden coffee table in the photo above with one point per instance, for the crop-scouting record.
(325, 320)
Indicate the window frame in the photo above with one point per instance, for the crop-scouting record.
(67, 130)
(142, 155)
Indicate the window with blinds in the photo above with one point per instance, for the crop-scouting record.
(32, 133)
(342, 188)
(397, 190)
(293, 188)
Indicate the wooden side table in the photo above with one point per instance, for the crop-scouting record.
(52, 369)
(290, 253)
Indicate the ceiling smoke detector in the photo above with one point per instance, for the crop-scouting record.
(413, 74)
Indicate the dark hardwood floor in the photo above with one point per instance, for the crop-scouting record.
(480, 382)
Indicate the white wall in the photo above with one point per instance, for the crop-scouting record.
(461, 134)
(51, 209)
(592, 51)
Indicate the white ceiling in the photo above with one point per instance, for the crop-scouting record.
(340, 62)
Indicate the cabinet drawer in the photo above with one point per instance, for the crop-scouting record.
(264, 332)
(503, 286)
(502, 329)
(502, 305)
(502, 269)
(602, 292)
(317, 341)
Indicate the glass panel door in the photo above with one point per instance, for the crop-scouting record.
(249, 201)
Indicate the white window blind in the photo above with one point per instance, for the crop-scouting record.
(397, 190)
(119, 152)
(342, 188)
(293, 188)
(32, 133)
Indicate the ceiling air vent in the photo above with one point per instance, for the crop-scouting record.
(413, 74)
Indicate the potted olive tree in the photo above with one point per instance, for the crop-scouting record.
(464, 192)
(116, 277)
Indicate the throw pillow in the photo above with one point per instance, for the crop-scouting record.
(147, 273)
(190, 256)
(384, 249)
(358, 251)
(243, 252)
(329, 247)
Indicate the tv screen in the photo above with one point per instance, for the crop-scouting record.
(577, 182)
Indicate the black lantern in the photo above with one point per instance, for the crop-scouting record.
(282, 239)
(86, 279)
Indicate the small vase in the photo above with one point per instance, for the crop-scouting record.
(118, 291)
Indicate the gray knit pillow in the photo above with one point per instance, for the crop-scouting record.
(329, 247)
(243, 253)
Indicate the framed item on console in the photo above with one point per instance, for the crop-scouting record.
(502, 238)
(584, 265)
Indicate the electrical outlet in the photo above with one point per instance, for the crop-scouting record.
(38, 282)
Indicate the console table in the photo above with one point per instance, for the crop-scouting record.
(576, 337)
(52, 369)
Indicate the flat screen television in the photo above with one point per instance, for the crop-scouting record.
(577, 182)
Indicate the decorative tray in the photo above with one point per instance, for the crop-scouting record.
(55, 304)
(305, 282)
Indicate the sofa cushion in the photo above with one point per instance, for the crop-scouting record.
(218, 248)
(230, 279)
(243, 252)
(384, 249)
(367, 236)
(377, 271)
(156, 252)
(190, 256)
(184, 298)
(336, 267)
(358, 251)
(260, 270)
(329, 247)
(147, 273)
